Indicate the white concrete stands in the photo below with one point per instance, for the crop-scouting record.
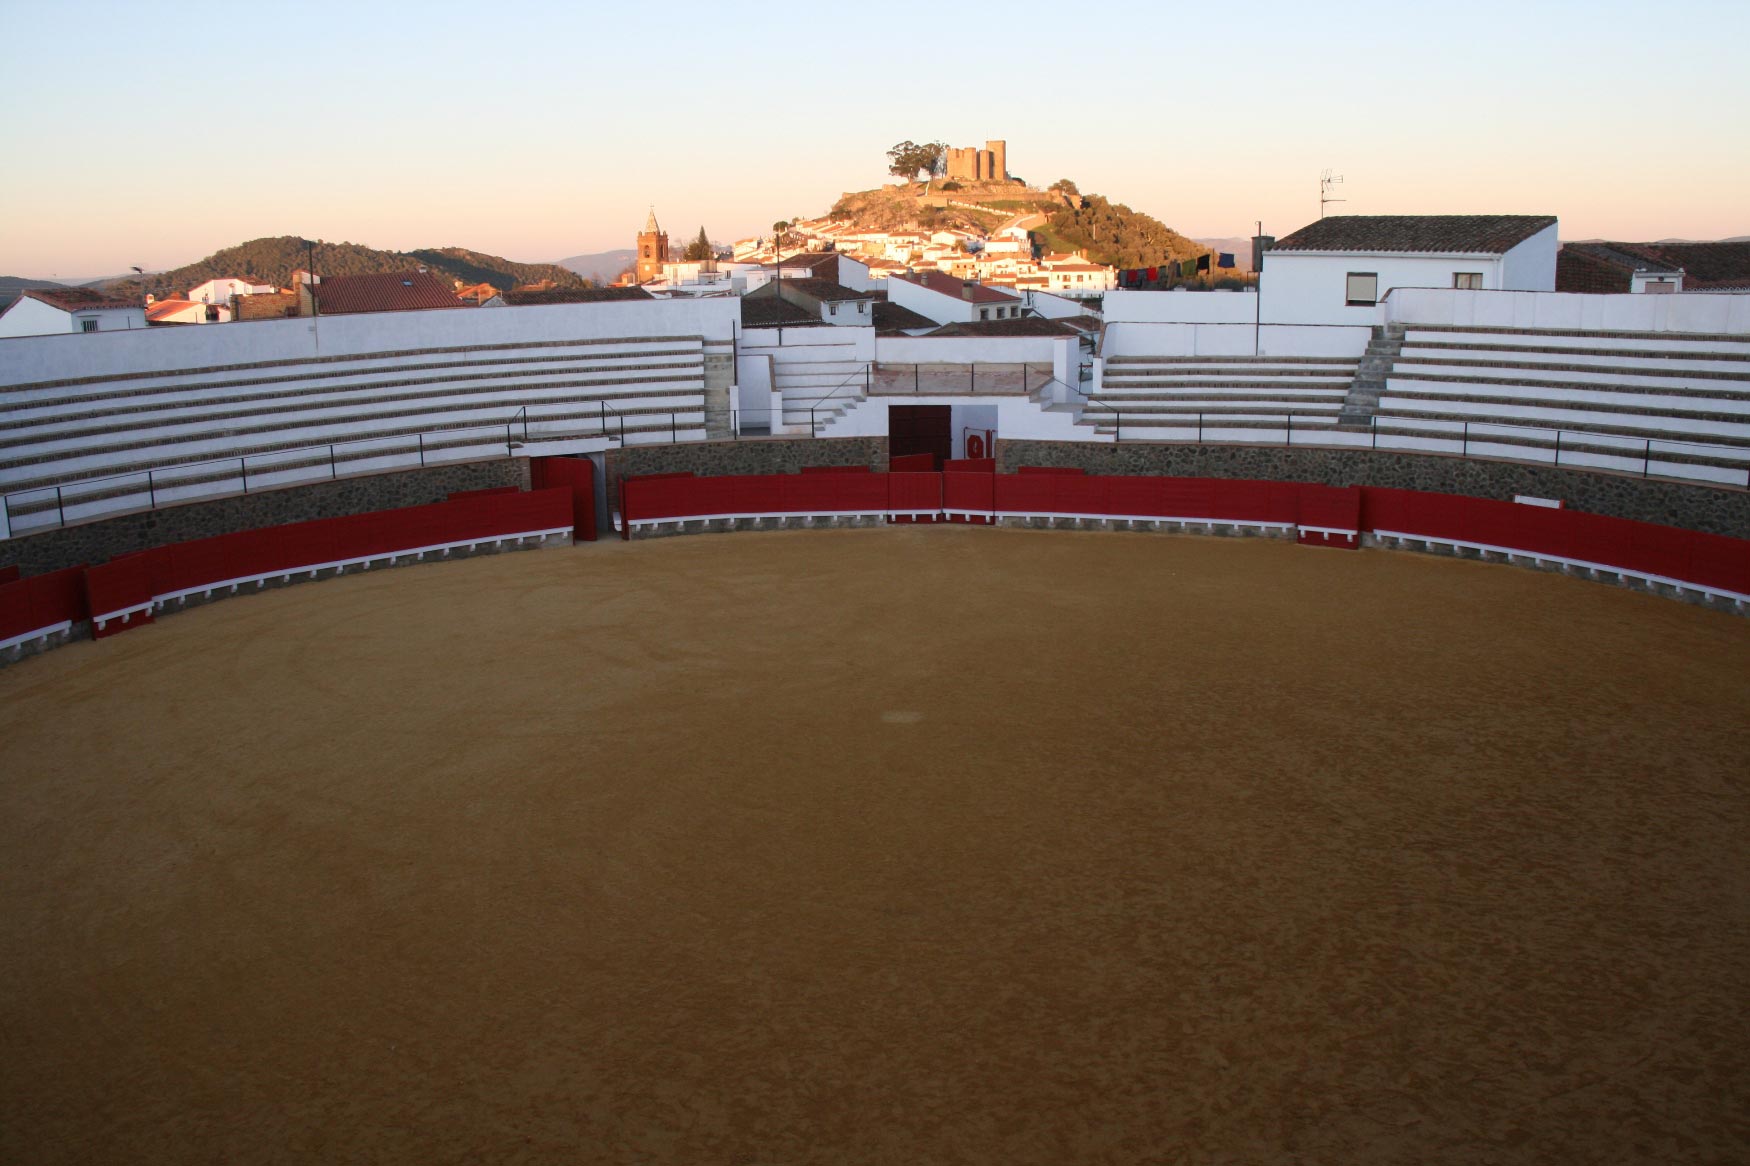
(83, 407)
(338, 566)
(1406, 540)
(819, 373)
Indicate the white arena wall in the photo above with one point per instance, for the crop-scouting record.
(29, 359)
(1716, 314)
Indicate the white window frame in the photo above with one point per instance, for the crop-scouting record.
(1467, 280)
(88, 324)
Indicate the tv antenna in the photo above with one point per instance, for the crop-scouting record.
(1326, 181)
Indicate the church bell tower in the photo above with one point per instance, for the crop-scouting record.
(652, 249)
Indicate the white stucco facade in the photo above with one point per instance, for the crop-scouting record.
(1313, 287)
(32, 317)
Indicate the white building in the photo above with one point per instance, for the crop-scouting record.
(45, 311)
(1336, 271)
(947, 300)
(186, 312)
(225, 288)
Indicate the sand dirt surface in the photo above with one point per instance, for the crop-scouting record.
(915, 845)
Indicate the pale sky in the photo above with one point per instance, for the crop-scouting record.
(155, 134)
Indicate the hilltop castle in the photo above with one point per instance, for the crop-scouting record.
(987, 165)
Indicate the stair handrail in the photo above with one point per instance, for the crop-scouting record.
(866, 372)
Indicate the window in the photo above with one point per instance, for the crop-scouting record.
(984, 313)
(832, 309)
(1467, 280)
(1363, 289)
(1661, 286)
(88, 325)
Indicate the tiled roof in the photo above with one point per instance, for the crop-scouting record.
(395, 291)
(1437, 234)
(763, 313)
(161, 308)
(520, 297)
(948, 285)
(811, 260)
(1703, 264)
(825, 290)
(78, 299)
(897, 317)
(1024, 326)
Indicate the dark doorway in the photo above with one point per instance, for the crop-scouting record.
(921, 429)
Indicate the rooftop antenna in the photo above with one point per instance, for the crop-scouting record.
(1326, 181)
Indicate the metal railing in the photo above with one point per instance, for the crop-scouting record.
(152, 489)
(949, 379)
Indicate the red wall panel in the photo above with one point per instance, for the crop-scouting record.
(42, 601)
(912, 463)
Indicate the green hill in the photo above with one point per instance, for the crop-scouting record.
(272, 260)
(1110, 233)
(1113, 234)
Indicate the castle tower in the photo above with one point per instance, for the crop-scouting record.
(999, 160)
(652, 249)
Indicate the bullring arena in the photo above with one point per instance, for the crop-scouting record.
(911, 844)
(1204, 741)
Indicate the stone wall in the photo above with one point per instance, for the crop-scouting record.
(1713, 509)
(94, 542)
(765, 455)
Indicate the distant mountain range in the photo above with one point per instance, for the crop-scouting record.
(272, 260)
(603, 266)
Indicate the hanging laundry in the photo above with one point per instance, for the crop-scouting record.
(1225, 259)
(1203, 263)
(1189, 267)
(1154, 273)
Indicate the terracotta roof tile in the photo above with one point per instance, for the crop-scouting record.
(1440, 234)
(520, 297)
(78, 299)
(948, 285)
(395, 291)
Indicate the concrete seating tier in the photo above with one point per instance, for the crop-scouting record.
(1674, 405)
(439, 403)
(1218, 398)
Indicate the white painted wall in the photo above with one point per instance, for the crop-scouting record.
(31, 317)
(969, 349)
(222, 291)
(1054, 307)
(934, 305)
(1619, 313)
(1124, 305)
(1531, 266)
(1309, 288)
(41, 358)
(853, 343)
(1234, 340)
(964, 417)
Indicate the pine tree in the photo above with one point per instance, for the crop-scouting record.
(699, 248)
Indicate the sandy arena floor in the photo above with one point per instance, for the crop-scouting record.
(903, 846)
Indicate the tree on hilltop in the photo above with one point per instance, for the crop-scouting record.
(907, 158)
(1063, 186)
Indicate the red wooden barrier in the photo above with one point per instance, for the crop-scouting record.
(982, 465)
(42, 601)
(1329, 516)
(576, 475)
(9, 573)
(916, 492)
(912, 463)
(970, 494)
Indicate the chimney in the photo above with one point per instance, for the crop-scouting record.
(966, 290)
